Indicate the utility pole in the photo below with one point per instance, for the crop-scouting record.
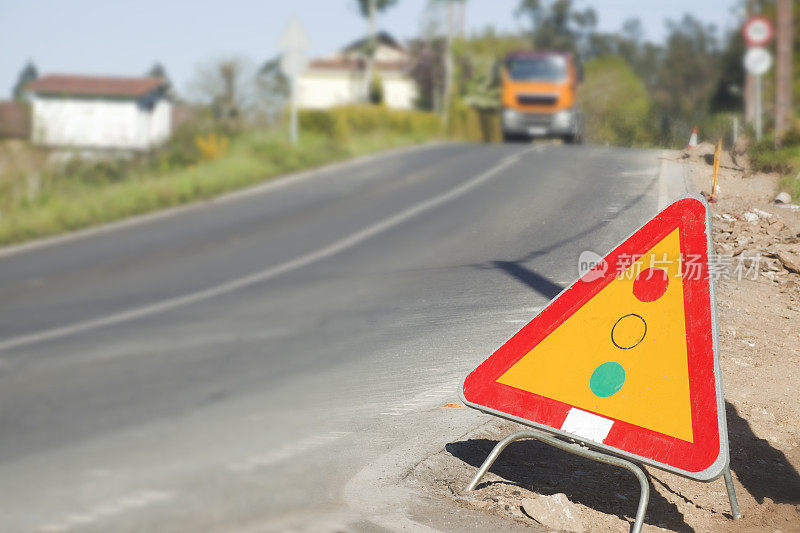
(783, 69)
(749, 81)
(757, 32)
(368, 72)
(448, 60)
(293, 44)
(462, 19)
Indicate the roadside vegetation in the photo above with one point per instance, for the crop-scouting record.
(783, 160)
(634, 93)
(202, 160)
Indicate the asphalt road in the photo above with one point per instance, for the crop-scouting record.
(271, 360)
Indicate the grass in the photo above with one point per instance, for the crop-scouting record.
(784, 161)
(68, 203)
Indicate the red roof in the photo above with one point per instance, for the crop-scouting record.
(94, 85)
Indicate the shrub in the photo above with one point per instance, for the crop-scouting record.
(211, 146)
(340, 131)
(766, 158)
(792, 135)
(316, 120)
(180, 150)
(375, 88)
(338, 123)
(615, 102)
(464, 122)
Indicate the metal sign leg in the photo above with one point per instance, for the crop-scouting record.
(577, 449)
(731, 494)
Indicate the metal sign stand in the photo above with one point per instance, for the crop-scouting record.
(758, 32)
(584, 451)
(294, 42)
(759, 109)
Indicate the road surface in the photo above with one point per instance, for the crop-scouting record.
(277, 359)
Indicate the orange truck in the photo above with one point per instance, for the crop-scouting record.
(539, 91)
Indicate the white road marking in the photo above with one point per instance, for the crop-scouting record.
(269, 273)
(285, 452)
(134, 501)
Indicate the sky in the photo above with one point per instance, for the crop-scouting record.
(123, 37)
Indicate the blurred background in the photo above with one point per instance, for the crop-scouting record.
(207, 81)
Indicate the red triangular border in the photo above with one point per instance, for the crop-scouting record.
(703, 459)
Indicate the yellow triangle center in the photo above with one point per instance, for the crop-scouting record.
(619, 356)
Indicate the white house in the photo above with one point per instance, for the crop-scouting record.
(341, 78)
(92, 112)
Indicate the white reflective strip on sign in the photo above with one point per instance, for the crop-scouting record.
(587, 425)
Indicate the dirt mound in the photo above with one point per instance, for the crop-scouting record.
(703, 153)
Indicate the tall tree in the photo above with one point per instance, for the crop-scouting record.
(727, 95)
(783, 69)
(688, 73)
(447, 90)
(557, 25)
(427, 70)
(454, 27)
(227, 84)
(272, 89)
(158, 71)
(26, 75)
(369, 10)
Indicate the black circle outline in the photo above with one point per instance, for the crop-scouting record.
(640, 340)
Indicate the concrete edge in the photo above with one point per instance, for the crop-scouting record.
(259, 188)
(672, 179)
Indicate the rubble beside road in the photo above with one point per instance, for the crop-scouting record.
(757, 267)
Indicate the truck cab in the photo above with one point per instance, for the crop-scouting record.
(539, 96)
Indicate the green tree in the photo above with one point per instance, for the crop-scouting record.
(376, 89)
(615, 102)
(158, 71)
(686, 78)
(272, 89)
(476, 88)
(26, 75)
(557, 25)
(727, 94)
(369, 10)
(427, 70)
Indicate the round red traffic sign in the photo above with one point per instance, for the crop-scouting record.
(758, 31)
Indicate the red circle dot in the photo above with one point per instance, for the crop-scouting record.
(650, 284)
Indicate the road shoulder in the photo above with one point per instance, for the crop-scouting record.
(536, 485)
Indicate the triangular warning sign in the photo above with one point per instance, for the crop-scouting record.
(625, 358)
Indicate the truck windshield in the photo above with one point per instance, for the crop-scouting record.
(544, 68)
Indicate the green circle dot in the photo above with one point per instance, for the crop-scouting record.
(607, 379)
